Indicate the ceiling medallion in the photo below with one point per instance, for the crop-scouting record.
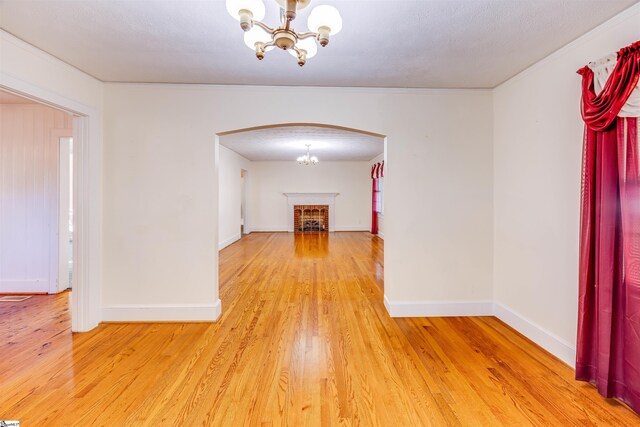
(308, 159)
(324, 21)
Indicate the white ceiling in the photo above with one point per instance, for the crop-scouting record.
(392, 43)
(288, 142)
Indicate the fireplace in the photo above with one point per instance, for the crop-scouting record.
(317, 209)
(310, 218)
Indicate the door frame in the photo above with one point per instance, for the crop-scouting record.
(62, 214)
(243, 201)
(87, 195)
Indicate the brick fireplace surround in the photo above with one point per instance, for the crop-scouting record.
(326, 201)
(303, 214)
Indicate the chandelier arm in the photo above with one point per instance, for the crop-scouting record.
(306, 35)
(264, 26)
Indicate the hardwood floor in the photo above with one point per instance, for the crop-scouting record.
(304, 340)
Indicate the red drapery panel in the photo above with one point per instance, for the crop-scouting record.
(608, 344)
(377, 171)
(374, 199)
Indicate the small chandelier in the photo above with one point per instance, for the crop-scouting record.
(324, 21)
(308, 159)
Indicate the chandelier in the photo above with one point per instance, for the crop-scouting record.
(324, 21)
(308, 159)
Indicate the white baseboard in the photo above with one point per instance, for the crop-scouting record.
(353, 228)
(26, 286)
(162, 312)
(229, 241)
(438, 308)
(275, 228)
(380, 235)
(555, 345)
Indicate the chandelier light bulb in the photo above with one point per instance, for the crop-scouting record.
(256, 7)
(301, 4)
(254, 35)
(309, 44)
(325, 16)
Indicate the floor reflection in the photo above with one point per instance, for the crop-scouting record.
(311, 244)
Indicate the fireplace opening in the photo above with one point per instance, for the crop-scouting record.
(310, 218)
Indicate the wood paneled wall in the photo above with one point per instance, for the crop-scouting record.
(29, 135)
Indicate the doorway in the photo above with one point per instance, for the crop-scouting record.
(333, 195)
(87, 189)
(65, 214)
(243, 202)
(35, 163)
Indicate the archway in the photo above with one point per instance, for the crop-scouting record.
(275, 148)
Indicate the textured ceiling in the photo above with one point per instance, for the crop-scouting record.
(288, 142)
(392, 43)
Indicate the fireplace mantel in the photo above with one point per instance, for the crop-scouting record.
(311, 194)
(311, 199)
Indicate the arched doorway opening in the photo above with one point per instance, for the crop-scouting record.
(265, 185)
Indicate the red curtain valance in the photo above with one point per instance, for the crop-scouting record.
(600, 111)
(377, 170)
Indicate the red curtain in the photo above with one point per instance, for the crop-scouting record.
(608, 344)
(374, 198)
(377, 171)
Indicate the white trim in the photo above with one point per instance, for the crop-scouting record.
(162, 312)
(555, 345)
(229, 241)
(25, 286)
(380, 235)
(60, 265)
(266, 229)
(87, 223)
(549, 341)
(353, 228)
(387, 305)
(310, 89)
(438, 308)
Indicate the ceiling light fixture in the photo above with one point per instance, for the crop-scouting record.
(308, 159)
(324, 21)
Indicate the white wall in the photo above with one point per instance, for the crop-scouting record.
(29, 136)
(537, 160)
(161, 213)
(229, 196)
(268, 206)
